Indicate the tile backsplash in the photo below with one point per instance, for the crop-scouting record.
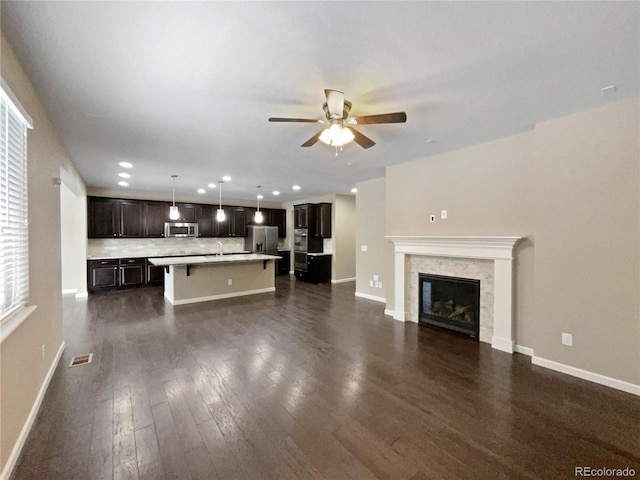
(157, 247)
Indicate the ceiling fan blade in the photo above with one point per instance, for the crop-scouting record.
(305, 120)
(313, 140)
(362, 140)
(335, 103)
(398, 117)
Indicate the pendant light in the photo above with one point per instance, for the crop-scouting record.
(174, 213)
(258, 216)
(220, 216)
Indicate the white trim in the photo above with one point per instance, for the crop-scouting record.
(7, 471)
(344, 280)
(70, 291)
(503, 344)
(388, 312)
(84, 294)
(498, 249)
(524, 350)
(18, 106)
(221, 296)
(13, 321)
(371, 297)
(587, 375)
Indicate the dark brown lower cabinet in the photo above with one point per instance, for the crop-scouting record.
(115, 273)
(155, 274)
(103, 274)
(132, 271)
(318, 269)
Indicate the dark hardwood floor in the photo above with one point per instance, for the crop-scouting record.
(308, 383)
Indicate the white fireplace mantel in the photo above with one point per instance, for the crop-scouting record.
(498, 249)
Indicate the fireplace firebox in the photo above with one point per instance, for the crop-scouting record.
(450, 302)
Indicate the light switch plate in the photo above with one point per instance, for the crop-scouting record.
(443, 214)
(363, 248)
(567, 339)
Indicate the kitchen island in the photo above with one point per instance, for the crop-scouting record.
(201, 278)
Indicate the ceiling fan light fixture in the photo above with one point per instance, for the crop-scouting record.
(336, 135)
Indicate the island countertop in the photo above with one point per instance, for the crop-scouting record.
(211, 259)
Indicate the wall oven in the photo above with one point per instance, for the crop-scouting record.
(300, 238)
(180, 229)
(300, 261)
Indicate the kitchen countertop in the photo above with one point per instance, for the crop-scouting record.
(190, 254)
(318, 254)
(209, 259)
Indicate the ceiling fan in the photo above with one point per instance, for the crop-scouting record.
(340, 130)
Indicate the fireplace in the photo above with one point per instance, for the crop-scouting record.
(450, 302)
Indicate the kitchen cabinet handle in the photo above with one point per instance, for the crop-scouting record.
(103, 263)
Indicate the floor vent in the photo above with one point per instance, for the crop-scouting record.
(81, 359)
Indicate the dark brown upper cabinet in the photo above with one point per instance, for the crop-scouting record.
(155, 213)
(188, 212)
(131, 218)
(206, 218)
(323, 220)
(103, 217)
(278, 217)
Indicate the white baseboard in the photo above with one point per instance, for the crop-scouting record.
(371, 297)
(7, 471)
(390, 313)
(82, 295)
(587, 375)
(344, 280)
(69, 291)
(524, 350)
(221, 296)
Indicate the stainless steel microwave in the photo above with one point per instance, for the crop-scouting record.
(172, 229)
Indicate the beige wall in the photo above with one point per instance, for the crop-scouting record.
(73, 241)
(343, 221)
(21, 380)
(370, 232)
(572, 187)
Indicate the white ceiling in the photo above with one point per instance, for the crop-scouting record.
(186, 88)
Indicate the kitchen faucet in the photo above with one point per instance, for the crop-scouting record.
(221, 248)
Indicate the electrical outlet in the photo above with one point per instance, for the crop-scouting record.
(371, 283)
(375, 278)
(44, 351)
(230, 282)
(432, 219)
(443, 214)
(379, 284)
(567, 339)
(363, 248)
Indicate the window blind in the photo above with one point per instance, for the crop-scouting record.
(14, 238)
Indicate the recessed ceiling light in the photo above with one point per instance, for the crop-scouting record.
(609, 89)
(124, 175)
(354, 190)
(212, 185)
(201, 190)
(296, 187)
(125, 165)
(122, 183)
(276, 193)
(226, 178)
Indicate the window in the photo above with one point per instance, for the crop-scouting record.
(14, 240)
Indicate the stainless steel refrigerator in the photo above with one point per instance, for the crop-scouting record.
(261, 239)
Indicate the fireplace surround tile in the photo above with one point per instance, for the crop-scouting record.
(496, 251)
(477, 269)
